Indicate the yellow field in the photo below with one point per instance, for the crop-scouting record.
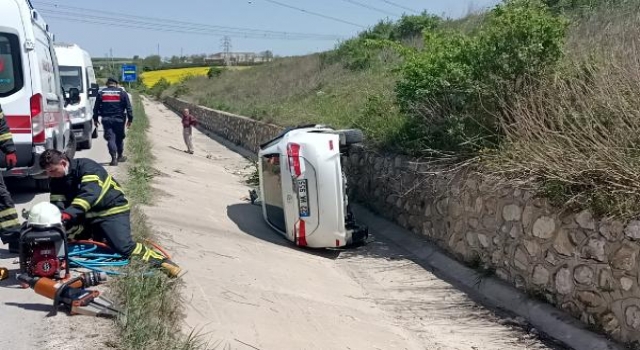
(175, 75)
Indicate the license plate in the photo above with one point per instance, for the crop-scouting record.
(78, 133)
(303, 198)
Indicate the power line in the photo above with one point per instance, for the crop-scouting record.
(314, 13)
(164, 21)
(399, 6)
(180, 28)
(371, 7)
(147, 27)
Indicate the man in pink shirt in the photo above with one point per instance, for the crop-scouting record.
(188, 121)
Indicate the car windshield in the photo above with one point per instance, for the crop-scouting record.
(71, 78)
(10, 65)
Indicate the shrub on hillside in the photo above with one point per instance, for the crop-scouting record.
(359, 53)
(158, 88)
(575, 137)
(214, 72)
(459, 83)
(413, 25)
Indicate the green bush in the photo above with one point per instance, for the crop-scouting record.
(411, 26)
(159, 87)
(359, 53)
(215, 72)
(521, 39)
(455, 87)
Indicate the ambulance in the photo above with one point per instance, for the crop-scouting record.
(31, 92)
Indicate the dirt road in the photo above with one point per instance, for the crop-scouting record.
(24, 323)
(249, 289)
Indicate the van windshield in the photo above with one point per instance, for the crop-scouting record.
(11, 79)
(71, 78)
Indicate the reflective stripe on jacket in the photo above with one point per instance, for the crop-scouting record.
(88, 191)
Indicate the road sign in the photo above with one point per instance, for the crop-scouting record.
(129, 73)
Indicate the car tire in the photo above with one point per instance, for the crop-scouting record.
(352, 136)
(85, 144)
(42, 185)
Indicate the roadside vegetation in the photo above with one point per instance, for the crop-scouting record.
(152, 302)
(542, 94)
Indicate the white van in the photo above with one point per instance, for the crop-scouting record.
(31, 94)
(76, 71)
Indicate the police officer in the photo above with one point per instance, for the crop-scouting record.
(111, 104)
(94, 205)
(9, 223)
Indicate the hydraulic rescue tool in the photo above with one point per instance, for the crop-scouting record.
(72, 295)
(43, 243)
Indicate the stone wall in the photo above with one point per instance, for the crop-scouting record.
(586, 267)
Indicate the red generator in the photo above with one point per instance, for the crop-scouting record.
(43, 244)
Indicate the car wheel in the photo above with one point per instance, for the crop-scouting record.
(352, 136)
(85, 144)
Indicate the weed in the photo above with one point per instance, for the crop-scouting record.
(253, 177)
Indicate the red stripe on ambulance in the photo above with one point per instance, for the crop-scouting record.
(19, 124)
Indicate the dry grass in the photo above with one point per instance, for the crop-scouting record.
(293, 90)
(578, 138)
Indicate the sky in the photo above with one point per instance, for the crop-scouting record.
(100, 39)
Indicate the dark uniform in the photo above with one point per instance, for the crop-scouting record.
(114, 106)
(9, 223)
(98, 209)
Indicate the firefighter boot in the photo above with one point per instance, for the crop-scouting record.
(114, 160)
(156, 259)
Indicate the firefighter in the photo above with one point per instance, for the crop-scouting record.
(93, 205)
(9, 223)
(114, 106)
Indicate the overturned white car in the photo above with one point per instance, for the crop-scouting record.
(303, 186)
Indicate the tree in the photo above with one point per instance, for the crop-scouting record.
(198, 59)
(266, 56)
(152, 62)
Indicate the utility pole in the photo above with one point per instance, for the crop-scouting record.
(226, 46)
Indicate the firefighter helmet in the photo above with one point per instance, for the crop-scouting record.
(44, 214)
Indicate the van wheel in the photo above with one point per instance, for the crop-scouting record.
(71, 146)
(352, 136)
(42, 185)
(85, 144)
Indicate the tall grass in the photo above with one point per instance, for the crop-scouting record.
(307, 89)
(577, 138)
